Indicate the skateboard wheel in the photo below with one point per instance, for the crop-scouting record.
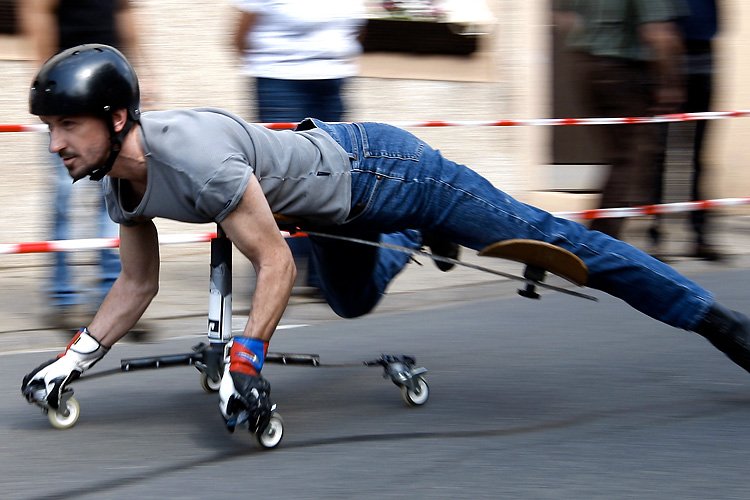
(59, 420)
(207, 384)
(271, 436)
(419, 395)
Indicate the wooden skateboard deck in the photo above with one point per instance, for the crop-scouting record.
(541, 255)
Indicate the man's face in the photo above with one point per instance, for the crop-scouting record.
(81, 141)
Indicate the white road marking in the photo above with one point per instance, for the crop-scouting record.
(180, 337)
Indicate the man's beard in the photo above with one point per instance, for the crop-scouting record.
(85, 172)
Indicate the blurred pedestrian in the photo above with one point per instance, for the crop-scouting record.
(699, 28)
(53, 26)
(629, 66)
(300, 55)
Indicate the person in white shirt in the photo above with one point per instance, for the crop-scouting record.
(298, 56)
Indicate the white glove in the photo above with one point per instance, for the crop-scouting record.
(48, 381)
(227, 393)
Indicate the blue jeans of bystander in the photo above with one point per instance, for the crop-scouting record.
(281, 100)
(63, 290)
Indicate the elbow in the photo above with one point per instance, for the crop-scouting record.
(290, 271)
(151, 290)
(145, 290)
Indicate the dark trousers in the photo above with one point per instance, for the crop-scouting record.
(615, 87)
(699, 93)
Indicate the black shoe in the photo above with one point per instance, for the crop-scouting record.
(707, 252)
(654, 235)
(729, 332)
(442, 248)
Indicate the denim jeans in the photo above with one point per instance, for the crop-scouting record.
(282, 100)
(294, 100)
(399, 182)
(63, 291)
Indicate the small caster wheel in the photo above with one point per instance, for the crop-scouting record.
(271, 436)
(419, 395)
(61, 421)
(207, 384)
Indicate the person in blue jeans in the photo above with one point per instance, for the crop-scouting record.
(299, 56)
(279, 101)
(64, 293)
(53, 26)
(293, 100)
(355, 179)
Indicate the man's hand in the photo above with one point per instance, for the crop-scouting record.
(48, 380)
(245, 398)
(665, 42)
(668, 99)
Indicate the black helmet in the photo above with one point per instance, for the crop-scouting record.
(88, 79)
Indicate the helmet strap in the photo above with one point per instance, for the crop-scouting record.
(115, 141)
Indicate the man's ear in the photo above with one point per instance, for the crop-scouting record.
(119, 118)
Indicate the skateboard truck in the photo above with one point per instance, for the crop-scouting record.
(534, 275)
(539, 258)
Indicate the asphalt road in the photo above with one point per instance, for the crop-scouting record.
(558, 398)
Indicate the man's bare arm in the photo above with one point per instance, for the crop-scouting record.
(128, 30)
(253, 230)
(245, 22)
(40, 25)
(135, 287)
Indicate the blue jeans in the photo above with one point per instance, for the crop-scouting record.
(294, 100)
(63, 291)
(282, 100)
(400, 182)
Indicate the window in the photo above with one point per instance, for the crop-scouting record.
(8, 18)
(13, 46)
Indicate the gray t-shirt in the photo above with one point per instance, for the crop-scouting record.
(199, 163)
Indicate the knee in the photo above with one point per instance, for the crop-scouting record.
(349, 309)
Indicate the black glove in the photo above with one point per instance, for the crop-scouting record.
(245, 397)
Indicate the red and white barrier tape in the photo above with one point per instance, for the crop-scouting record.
(555, 122)
(24, 128)
(665, 208)
(100, 243)
(174, 239)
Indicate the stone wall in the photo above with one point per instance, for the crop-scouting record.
(189, 63)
